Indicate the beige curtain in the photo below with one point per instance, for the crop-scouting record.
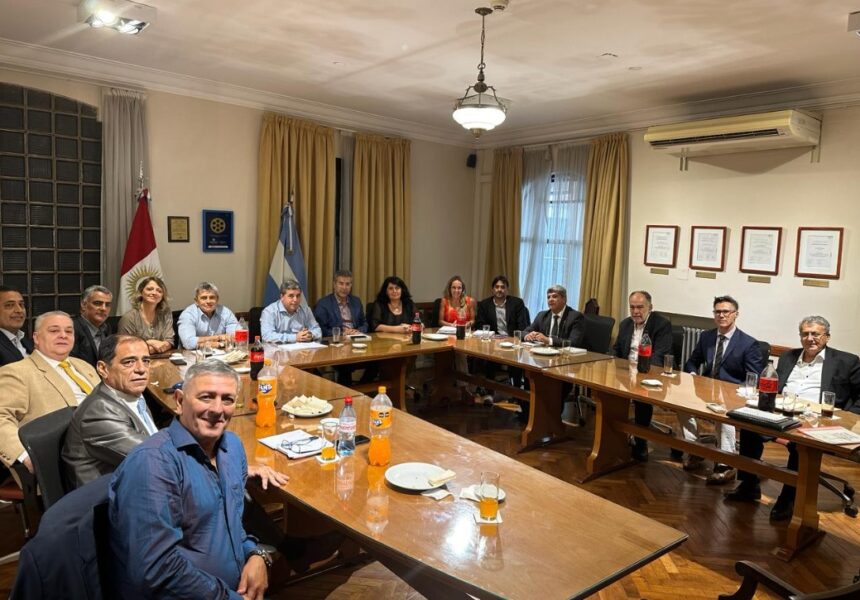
(605, 215)
(503, 241)
(297, 156)
(381, 212)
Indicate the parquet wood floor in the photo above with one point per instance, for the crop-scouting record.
(719, 533)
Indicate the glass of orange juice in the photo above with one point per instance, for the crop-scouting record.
(329, 434)
(488, 495)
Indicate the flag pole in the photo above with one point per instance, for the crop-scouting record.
(290, 224)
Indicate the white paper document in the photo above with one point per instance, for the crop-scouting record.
(295, 444)
(300, 346)
(832, 435)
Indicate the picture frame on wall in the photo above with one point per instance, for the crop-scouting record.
(661, 245)
(217, 230)
(177, 229)
(708, 248)
(819, 252)
(760, 249)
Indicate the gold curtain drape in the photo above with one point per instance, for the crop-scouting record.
(381, 212)
(296, 156)
(503, 240)
(605, 216)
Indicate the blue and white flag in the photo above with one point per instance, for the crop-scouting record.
(288, 261)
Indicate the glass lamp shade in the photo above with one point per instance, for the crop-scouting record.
(479, 112)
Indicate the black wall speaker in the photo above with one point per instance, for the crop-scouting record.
(471, 161)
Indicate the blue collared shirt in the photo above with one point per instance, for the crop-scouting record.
(194, 323)
(176, 521)
(277, 325)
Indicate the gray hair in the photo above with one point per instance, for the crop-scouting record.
(342, 273)
(290, 284)
(642, 293)
(207, 287)
(557, 289)
(93, 289)
(815, 320)
(211, 367)
(54, 313)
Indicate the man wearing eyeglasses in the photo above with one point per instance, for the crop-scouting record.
(725, 353)
(807, 371)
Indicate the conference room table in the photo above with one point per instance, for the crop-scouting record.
(614, 383)
(555, 540)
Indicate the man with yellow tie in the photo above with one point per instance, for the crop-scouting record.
(45, 381)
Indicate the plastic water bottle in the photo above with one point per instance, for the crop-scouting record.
(381, 409)
(267, 392)
(346, 429)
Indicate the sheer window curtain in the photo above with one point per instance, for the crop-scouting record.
(124, 147)
(552, 222)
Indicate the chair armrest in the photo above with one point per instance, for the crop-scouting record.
(753, 575)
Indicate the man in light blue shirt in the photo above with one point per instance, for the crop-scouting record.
(206, 320)
(287, 320)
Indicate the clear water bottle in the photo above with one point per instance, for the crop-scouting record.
(346, 429)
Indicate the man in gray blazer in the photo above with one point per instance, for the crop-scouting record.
(114, 418)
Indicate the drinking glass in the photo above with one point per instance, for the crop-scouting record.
(329, 432)
(751, 385)
(809, 417)
(488, 495)
(828, 404)
(668, 365)
(486, 337)
(518, 338)
(565, 345)
(336, 333)
(789, 403)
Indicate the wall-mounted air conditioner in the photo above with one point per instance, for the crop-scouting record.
(743, 133)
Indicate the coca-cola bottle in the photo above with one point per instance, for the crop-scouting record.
(416, 328)
(768, 382)
(643, 363)
(257, 356)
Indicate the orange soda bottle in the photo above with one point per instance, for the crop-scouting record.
(267, 391)
(381, 412)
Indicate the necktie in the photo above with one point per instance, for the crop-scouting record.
(553, 330)
(144, 415)
(80, 381)
(718, 358)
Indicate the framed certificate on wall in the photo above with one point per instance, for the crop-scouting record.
(819, 252)
(707, 248)
(661, 245)
(760, 248)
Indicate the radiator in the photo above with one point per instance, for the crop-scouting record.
(691, 338)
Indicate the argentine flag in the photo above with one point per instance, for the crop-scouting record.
(288, 261)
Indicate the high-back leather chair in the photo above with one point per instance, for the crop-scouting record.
(43, 439)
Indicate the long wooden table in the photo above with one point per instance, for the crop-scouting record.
(556, 540)
(614, 383)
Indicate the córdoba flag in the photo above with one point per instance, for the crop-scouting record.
(141, 255)
(287, 262)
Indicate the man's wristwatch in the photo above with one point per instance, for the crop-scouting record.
(262, 553)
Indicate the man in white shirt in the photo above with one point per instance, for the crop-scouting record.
(206, 321)
(14, 345)
(288, 320)
(45, 381)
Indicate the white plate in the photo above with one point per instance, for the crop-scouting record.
(359, 346)
(652, 382)
(307, 413)
(434, 337)
(413, 476)
(544, 351)
(242, 370)
(506, 344)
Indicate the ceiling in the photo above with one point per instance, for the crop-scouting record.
(397, 65)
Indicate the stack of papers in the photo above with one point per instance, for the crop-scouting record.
(300, 346)
(290, 443)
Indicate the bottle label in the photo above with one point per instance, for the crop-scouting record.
(257, 357)
(347, 427)
(265, 387)
(768, 385)
(644, 351)
(416, 326)
(380, 417)
(241, 336)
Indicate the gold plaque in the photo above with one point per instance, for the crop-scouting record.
(655, 271)
(706, 275)
(758, 279)
(816, 283)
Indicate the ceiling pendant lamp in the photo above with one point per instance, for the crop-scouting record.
(481, 110)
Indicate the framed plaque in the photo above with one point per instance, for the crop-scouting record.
(707, 248)
(661, 245)
(217, 230)
(177, 229)
(819, 252)
(760, 247)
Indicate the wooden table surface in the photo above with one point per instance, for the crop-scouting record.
(556, 541)
(522, 357)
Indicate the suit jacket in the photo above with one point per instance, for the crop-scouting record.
(32, 388)
(571, 326)
(839, 374)
(102, 432)
(85, 345)
(9, 353)
(658, 328)
(741, 355)
(327, 314)
(516, 315)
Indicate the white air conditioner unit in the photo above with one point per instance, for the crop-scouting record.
(744, 133)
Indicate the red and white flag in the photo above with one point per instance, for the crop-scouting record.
(141, 254)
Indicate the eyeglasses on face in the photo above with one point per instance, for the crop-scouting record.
(812, 334)
(724, 313)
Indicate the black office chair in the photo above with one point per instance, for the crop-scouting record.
(434, 318)
(753, 575)
(43, 439)
(176, 314)
(598, 335)
(254, 322)
(765, 353)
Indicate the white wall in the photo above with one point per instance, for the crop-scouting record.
(772, 188)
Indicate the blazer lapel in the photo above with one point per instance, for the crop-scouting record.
(827, 372)
(52, 377)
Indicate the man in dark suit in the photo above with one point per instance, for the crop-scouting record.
(807, 372)
(342, 309)
(560, 322)
(725, 353)
(14, 344)
(91, 327)
(643, 321)
(503, 313)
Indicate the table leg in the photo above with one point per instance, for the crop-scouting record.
(444, 382)
(803, 529)
(393, 371)
(611, 449)
(544, 424)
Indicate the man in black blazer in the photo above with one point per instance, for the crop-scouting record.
(807, 371)
(558, 323)
(630, 331)
(725, 353)
(91, 326)
(14, 344)
(504, 314)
